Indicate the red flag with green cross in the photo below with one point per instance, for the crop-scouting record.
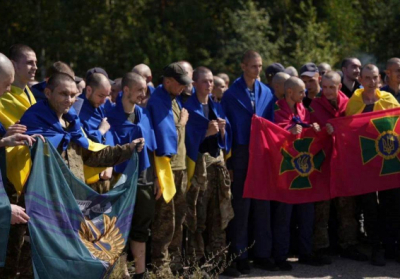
(366, 153)
(287, 168)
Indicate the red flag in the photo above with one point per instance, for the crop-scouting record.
(366, 153)
(287, 168)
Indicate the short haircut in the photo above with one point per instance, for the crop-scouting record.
(369, 67)
(59, 67)
(57, 78)
(16, 51)
(347, 61)
(130, 79)
(332, 75)
(224, 76)
(280, 77)
(392, 61)
(291, 83)
(182, 62)
(250, 54)
(200, 71)
(96, 80)
(218, 81)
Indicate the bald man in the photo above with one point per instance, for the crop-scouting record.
(278, 82)
(145, 71)
(115, 89)
(218, 89)
(6, 74)
(393, 77)
(290, 114)
(291, 71)
(323, 68)
(247, 96)
(94, 121)
(189, 89)
(225, 77)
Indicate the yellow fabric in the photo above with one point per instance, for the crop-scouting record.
(165, 177)
(356, 104)
(92, 174)
(227, 156)
(190, 166)
(13, 105)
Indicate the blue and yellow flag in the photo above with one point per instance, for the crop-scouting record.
(196, 129)
(124, 131)
(160, 108)
(91, 118)
(76, 232)
(41, 119)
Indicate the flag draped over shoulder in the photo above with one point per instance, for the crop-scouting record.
(124, 131)
(321, 110)
(285, 118)
(366, 153)
(91, 118)
(196, 129)
(284, 167)
(5, 219)
(160, 108)
(75, 232)
(356, 103)
(41, 119)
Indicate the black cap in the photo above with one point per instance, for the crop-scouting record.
(177, 72)
(98, 70)
(273, 69)
(309, 69)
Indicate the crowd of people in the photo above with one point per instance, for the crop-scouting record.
(192, 134)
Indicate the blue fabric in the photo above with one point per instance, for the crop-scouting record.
(179, 99)
(161, 115)
(75, 232)
(238, 109)
(151, 89)
(124, 131)
(91, 118)
(197, 126)
(3, 130)
(5, 219)
(38, 91)
(41, 119)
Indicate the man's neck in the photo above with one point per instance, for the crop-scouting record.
(369, 96)
(292, 105)
(334, 103)
(348, 82)
(203, 99)
(128, 107)
(19, 83)
(395, 86)
(312, 95)
(249, 82)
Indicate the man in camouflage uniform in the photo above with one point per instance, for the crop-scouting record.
(209, 197)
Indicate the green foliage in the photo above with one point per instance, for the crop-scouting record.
(118, 34)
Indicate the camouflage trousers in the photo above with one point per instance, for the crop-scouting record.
(209, 208)
(166, 246)
(18, 257)
(348, 226)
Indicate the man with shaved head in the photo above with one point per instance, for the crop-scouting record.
(189, 89)
(218, 89)
(130, 121)
(278, 85)
(6, 74)
(115, 89)
(351, 72)
(145, 71)
(323, 68)
(382, 207)
(393, 77)
(225, 77)
(332, 104)
(94, 121)
(291, 71)
(244, 98)
(291, 115)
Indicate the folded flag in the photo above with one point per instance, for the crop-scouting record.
(366, 153)
(74, 231)
(287, 168)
